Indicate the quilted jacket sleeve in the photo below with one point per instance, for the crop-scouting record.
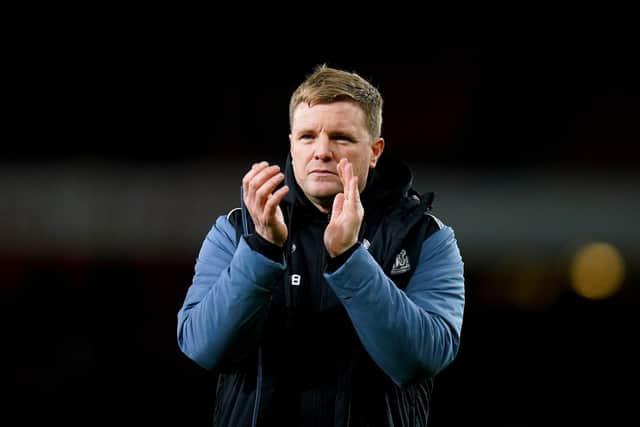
(410, 334)
(228, 300)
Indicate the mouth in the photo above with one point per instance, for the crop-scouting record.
(322, 172)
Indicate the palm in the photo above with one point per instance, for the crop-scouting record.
(279, 226)
(346, 214)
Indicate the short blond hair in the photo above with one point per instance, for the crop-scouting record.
(327, 85)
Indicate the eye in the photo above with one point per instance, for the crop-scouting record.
(343, 138)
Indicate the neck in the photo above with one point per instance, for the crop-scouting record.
(324, 205)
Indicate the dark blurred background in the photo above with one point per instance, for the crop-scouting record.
(121, 157)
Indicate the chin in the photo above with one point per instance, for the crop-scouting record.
(325, 192)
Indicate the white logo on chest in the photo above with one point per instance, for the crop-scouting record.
(401, 264)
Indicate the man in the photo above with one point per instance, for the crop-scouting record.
(332, 297)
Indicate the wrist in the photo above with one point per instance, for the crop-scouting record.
(268, 237)
(342, 249)
(337, 261)
(265, 247)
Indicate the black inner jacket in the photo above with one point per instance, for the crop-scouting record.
(309, 345)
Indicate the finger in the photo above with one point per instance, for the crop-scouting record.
(355, 191)
(338, 205)
(267, 187)
(255, 169)
(256, 184)
(348, 177)
(274, 200)
(246, 180)
(263, 176)
(340, 168)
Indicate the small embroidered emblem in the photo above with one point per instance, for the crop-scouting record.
(401, 264)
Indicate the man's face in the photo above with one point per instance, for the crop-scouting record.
(323, 134)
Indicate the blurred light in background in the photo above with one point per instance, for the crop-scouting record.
(528, 284)
(597, 271)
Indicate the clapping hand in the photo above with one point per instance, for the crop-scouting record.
(263, 204)
(346, 214)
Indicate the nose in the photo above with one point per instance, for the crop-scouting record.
(322, 148)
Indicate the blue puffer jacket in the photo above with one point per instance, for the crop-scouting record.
(356, 346)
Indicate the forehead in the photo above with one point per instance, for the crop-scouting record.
(342, 115)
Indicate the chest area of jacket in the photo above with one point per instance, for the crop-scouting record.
(304, 284)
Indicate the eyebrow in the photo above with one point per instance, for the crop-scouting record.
(342, 134)
(332, 134)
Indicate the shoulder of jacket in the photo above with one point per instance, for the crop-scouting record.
(426, 200)
(439, 224)
(421, 206)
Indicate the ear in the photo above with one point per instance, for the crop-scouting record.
(376, 151)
